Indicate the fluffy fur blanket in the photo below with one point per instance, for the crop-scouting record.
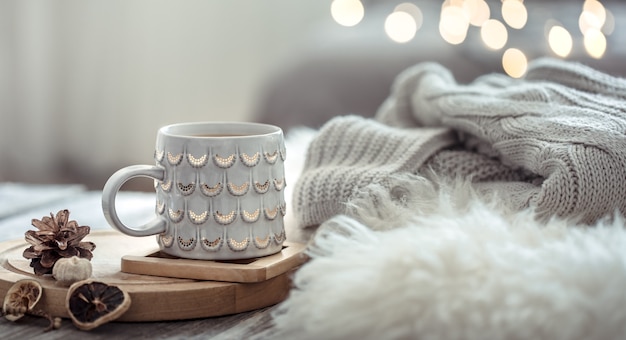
(449, 266)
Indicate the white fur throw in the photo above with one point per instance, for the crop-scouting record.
(437, 263)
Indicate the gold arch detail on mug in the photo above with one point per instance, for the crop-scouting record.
(167, 240)
(271, 157)
(248, 160)
(262, 243)
(160, 207)
(283, 209)
(279, 184)
(158, 155)
(214, 245)
(224, 162)
(235, 245)
(238, 190)
(176, 216)
(166, 186)
(225, 218)
(198, 218)
(174, 159)
(197, 162)
(250, 217)
(211, 191)
(186, 189)
(283, 154)
(271, 214)
(261, 188)
(186, 244)
(280, 237)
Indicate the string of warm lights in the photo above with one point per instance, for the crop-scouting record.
(458, 16)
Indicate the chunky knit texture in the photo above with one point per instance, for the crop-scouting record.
(350, 153)
(554, 141)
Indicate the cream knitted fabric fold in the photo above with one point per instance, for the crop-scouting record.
(562, 126)
(351, 152)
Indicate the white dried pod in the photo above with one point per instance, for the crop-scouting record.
(72, 269)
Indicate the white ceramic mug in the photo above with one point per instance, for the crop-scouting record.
(219, 191)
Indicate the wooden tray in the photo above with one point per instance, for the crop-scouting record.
(154, 298)
(249, 270)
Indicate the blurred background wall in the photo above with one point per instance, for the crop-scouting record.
(85, 84)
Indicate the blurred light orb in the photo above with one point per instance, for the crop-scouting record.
(587, 21)
(347, 12)
(478, 11)
(450, 38)
(560, 41)
(595, 43)
(514, 13)
(400, 27)
(596, 8)
(413, 10)
(609, 24)
(453, 24)
(494, 34)
(514, 62)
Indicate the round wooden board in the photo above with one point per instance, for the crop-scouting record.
(153, 298)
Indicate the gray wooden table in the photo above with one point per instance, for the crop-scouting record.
(20, 203)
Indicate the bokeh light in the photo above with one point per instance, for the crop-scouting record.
(609, 23)
(596, 8)
(453, 23)
(494, 34)
(593, 16)
(514, 62)
(595, 43)
(347, 12)
(413, 10)
(514, 13)
(478, 11)
(400, 26)
(560, 41)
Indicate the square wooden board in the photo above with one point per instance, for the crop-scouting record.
(250, 270)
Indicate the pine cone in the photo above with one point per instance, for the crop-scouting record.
(55, 239)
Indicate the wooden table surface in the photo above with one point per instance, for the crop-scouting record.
(19, 204)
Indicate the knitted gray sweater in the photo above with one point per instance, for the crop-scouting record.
(554, 140)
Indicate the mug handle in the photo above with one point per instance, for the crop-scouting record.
(112, 187)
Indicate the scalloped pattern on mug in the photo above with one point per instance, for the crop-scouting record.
(186, 189)
(197, 162)
(235, 245)
(176, 216)
(211, 191)
(280, 237)
(262, 243)
(160, 207)
(261, 188)
(174, 159)
(224, 162)
(158, 155)
(238, 190)
(250, 217)
(279, 184)
(271, 157)
(225, 219)
(248, 160)
(209, 245)
(198, 218)
(271, 214)
(186, 244)
(166, 186)
(167, 240)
